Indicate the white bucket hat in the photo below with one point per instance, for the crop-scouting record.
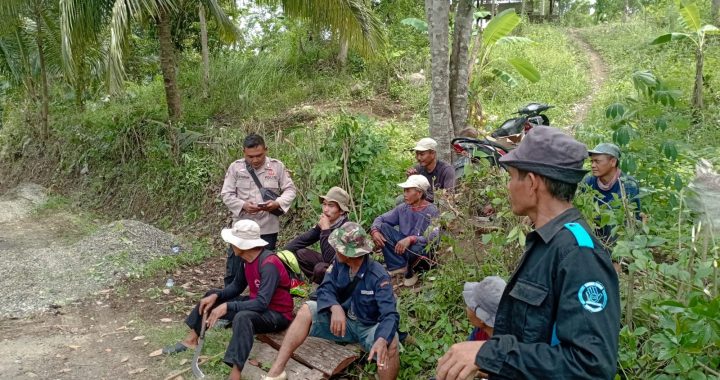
(244, 234)
(416, 181)
(425, 144)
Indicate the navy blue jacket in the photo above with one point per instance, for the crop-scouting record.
(559, 316)
(372, 300)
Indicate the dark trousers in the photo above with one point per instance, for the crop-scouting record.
(408, 259)
(245, 324)
(312, 264)
(232, 264)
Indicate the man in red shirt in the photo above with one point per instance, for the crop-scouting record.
(268, 307)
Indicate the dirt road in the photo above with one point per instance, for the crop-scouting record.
(67, 310)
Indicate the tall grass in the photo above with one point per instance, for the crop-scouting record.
(564, 71)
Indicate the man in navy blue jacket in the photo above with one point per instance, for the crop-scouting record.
(559, 315)
(355, 304)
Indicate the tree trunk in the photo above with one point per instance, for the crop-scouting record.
(45, 101)
(522, 8)
(477, 104)
(460, 65)
(79, 84)
(494, 9)
(168, 65)
(715, 11)
(205, 51)
(343, 53)
(697, 99)
(438, 12)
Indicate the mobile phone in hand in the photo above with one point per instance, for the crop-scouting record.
(262, 205)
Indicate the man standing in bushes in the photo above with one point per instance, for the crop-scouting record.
(334, 214)
(439, 174)
(258, 188)
(608, 180)
(559, 315)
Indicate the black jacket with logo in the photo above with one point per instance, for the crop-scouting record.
(559, 316)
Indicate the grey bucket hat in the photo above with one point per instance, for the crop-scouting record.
(549, 152)
(484, 297)
(606, 148)
(339, 196)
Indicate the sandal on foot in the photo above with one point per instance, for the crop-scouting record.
(177, 348)
(281, 376)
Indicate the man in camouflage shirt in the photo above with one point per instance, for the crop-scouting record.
(355, 304)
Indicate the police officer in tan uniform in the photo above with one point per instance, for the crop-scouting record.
(243, 198)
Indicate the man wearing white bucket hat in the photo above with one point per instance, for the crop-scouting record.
(267, 308)
(400, 232)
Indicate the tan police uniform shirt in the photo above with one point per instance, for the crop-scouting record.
(239, 188)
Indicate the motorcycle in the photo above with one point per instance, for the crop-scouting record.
(501, 141)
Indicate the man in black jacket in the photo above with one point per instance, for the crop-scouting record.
(559, 316)
(334, 214)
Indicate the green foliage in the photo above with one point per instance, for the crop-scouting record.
(416, 23)
(563, 83)
(669, 284)
(357, 156)
(500, 26)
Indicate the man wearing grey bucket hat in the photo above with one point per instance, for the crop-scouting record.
(559, 315)
(481, 301)
(335, 207)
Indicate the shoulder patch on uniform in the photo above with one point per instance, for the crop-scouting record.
(581, 236)
(384, 283)
(592, 296)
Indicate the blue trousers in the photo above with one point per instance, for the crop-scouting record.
(406, 259)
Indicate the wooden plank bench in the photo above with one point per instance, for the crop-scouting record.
(327, 357)
(262, 356)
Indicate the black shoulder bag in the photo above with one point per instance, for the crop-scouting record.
(266, 194)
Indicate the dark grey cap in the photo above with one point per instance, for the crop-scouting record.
(549, 152)
(606, 148)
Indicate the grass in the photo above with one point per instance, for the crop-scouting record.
(674, 63)
(76, 223)
(564, 79)
(216, 342)
(199, 251)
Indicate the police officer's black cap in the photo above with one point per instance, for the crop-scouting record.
(549, 152)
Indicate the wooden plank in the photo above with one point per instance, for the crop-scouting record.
(263, 355)
(250, 372)
(327, 357)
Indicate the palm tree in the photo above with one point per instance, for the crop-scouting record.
(32, 18)
(351, 19)
(697, 34)
(351, 22)
(83, 20)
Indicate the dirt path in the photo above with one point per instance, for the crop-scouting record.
(598, 75)
(66, 311)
